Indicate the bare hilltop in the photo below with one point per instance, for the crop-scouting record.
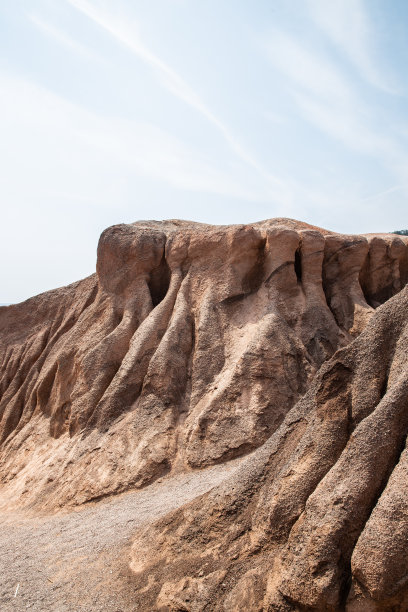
(214, 421)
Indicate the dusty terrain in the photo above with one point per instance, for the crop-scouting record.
(79, 561)
(277, 342)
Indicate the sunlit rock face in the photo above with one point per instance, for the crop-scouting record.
(189, 346)
(194, 344)
(314, 519)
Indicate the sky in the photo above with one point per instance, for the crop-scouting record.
(219, 111)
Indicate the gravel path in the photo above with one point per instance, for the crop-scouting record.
(78, 561)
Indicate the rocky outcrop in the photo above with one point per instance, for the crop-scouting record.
(189, 347)
(316, 518)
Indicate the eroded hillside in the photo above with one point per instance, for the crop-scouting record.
(187, 348)
(316, 519)
(196, 344)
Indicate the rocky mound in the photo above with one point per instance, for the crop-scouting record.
(317, 518)
(195, 344)
(188, 347)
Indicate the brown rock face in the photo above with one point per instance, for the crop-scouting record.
(316, 518)
(193, 345)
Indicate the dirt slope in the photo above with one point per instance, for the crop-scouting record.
(79, 561)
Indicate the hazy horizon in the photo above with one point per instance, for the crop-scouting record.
(226, 112)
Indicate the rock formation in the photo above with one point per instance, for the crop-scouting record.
(194, 344)
(316, 518)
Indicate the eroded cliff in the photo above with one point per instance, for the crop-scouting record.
(188, 347)
(316, 519)
(195, 344)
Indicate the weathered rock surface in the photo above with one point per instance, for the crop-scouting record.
(194, 344)
(315, 519)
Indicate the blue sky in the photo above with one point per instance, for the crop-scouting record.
(222, 111)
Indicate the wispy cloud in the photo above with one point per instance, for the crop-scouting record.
(348, 25)
(87, 152)
(346, 125)
(325, 96)
(62, 38)
(330, 100)
(125, 32)
(309, 70)
(385, 192)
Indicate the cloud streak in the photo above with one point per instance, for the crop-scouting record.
(308, 70)
(331, 103)
(62, 38)
(347, 24)
(125, 33)
(79, 150)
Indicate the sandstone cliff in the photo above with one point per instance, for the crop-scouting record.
(316, 519)
(193, 345)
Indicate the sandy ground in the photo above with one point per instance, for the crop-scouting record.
(78, 561)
